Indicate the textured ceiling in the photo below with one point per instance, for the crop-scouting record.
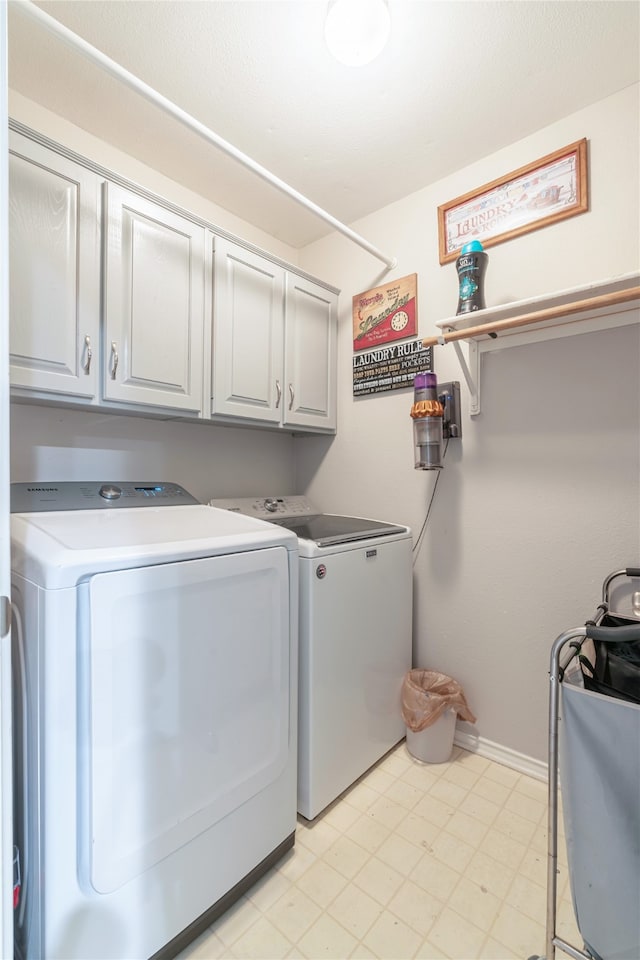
(458, 81)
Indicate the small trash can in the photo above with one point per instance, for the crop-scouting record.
(431, 703)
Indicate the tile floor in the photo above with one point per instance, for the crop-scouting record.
(414, 861)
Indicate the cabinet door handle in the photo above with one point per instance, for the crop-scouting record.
(88, 354)
(114, 359)
(5, 616)
(278, 394)
(291, 396)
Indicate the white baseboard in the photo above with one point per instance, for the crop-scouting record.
(504, 755)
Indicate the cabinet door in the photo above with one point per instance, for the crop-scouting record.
(310, 355)
(154, 304)
(54, 276)
(248, 312)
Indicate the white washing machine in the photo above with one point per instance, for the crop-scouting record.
(355, 641)
(155, 714)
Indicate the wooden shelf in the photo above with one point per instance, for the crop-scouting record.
(598, 306)
(598, 300)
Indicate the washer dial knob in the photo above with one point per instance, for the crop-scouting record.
(271, 504)
(109, 491)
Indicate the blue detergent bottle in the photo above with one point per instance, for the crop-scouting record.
(471, 266)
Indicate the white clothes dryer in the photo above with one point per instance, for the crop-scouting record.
(356, 620)
(155, 714)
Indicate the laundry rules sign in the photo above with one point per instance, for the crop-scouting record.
(390, 368)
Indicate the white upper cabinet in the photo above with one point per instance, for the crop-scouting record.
(274, 342)
(310, 355)
(110, 296)
(154, 304)
(54, 234)
(248, 316)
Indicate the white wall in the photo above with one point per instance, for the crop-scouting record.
(540, 500)
(536, 505)
(49, 443)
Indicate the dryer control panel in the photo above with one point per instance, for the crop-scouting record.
(268, 508)
(95, 495)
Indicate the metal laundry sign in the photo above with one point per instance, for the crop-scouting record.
(386, 313)
(390, 368)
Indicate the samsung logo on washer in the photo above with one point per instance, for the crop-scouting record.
(42, 489)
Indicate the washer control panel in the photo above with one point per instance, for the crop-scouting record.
(94, 495)
(268, 508)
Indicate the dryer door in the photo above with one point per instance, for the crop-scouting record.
(184, 673)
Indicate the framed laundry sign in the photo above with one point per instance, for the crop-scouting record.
(536, 195)
(385, 313)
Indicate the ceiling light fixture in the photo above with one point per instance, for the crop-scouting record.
(356, 31)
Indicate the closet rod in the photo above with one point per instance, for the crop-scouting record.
(537, 316)
(116, 70)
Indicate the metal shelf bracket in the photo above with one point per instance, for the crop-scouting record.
(471, 373)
